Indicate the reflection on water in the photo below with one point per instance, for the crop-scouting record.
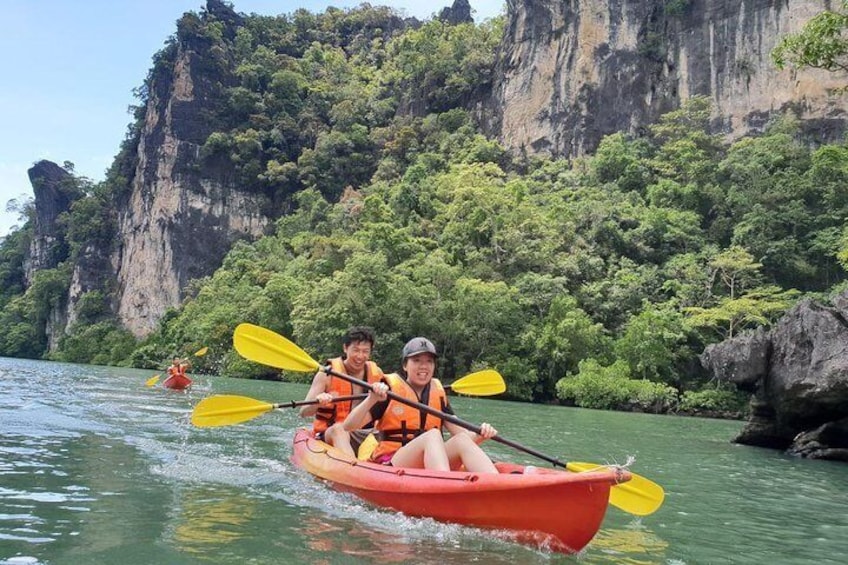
(208, 519)
(634, 545)
(330, 539)
(399, 539)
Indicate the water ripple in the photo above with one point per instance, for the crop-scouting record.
(97, 468)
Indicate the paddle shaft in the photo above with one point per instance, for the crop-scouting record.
(268, 407)
(295, 404)
(450, 418)
(256, 408)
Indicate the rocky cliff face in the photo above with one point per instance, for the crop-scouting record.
(570, 72)
(55, 190)
(458, 13)
(798, 373)
(573, 71)
(179, 222)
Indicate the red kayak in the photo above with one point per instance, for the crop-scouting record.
(558, 510)
(177, 382)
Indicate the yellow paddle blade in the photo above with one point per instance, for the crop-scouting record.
(152, 380)
(272, 349)
(201, 352)
(481, 383)
(639, 496)
(227, 409)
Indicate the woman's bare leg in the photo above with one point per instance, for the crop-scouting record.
(427, 451)
(461, 450)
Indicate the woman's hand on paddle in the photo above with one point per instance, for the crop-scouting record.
(324, 399)
(487, 431)
(360, 413)
(378, 391)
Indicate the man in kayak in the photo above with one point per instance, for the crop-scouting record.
(357, 345)
(409, 437)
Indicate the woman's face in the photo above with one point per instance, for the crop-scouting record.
(420, 369)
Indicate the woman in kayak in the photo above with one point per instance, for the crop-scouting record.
(409, 437)
(177, 377)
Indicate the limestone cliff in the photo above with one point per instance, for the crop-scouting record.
(573, 71)
(458, 13)
(798, 372)
(179, 222)
(55, 189)
(569, 73)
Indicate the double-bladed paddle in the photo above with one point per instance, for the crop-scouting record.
(639, 496)
(226, 410)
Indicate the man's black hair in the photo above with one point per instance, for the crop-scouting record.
(359, 333)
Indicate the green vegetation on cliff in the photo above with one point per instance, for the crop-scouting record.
(595, 281)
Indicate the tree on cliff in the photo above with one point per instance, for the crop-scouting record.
(842, 255)
(742, 301)
(821, 44)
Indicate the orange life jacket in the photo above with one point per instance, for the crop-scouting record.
(175, 370)
(401, 423)
(326, 416)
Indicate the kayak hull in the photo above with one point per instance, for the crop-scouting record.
(177, 382)
(552, 509)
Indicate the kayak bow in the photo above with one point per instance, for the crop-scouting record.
(177, 382)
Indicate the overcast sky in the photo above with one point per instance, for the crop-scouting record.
(69, 69)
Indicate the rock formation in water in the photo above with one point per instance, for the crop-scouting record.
(574, 71)
(798, 374)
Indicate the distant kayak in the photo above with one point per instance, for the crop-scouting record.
(177, 382)
(558, 510)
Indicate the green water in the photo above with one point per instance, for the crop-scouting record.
(97, 468)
